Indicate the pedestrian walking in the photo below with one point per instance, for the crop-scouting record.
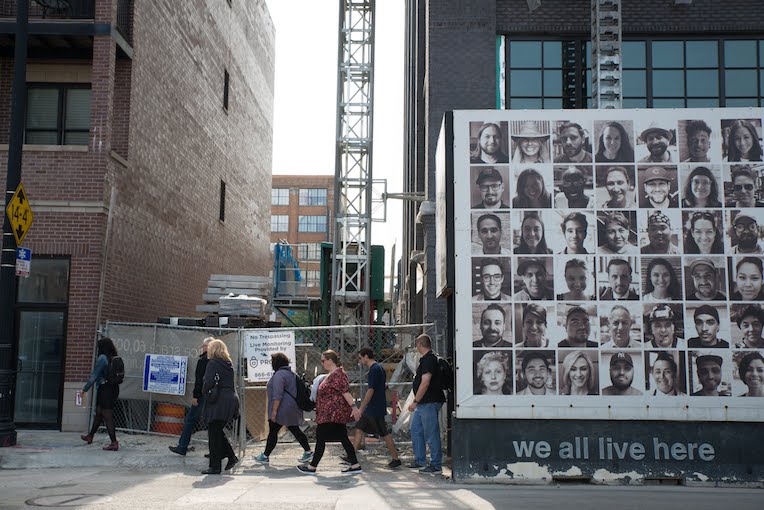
(283, 410)
(222, 405)
(373, 408)
(428, 399)
(107, 393)
(197, 402)
(334, 408)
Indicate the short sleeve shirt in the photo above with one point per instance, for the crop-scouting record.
(429, 365)
(377, 406)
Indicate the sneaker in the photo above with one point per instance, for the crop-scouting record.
(262, 458)
(394, 463)
(306, 456)
(304, 469)
(430, 469)
(414, 465)
(352, 470)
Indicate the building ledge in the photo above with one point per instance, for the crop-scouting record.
(48, 148)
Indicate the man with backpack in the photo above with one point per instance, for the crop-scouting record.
(197, 402)
(373, 408)
(428, 399)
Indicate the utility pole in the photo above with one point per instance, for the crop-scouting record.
(8, 254)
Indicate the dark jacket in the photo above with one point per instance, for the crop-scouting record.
(201, 366)
(226, 407)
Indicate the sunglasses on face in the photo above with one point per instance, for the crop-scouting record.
(741, 187)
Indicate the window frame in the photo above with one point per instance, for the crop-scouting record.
(277, 220)
(60, 130)
(276, 196)
(313, 197)
(309, 223)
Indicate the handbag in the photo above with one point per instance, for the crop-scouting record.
(214, 392)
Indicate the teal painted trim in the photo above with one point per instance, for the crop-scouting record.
(498, 72)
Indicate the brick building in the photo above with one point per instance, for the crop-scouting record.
(302, 214)
(147, 161)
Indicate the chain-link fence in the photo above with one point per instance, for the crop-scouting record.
(138, 411)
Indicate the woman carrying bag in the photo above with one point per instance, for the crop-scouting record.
(334, 408)
(222, 405)
(106, 395)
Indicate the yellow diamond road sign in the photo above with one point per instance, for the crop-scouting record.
(20, 214)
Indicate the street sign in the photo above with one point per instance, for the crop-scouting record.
(19, 214)
(23, 261)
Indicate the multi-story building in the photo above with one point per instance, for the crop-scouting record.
(302, 215)
(146, 158)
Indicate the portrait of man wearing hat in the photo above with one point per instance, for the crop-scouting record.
(489, 144)
(708, 367)
(573, 192)
(578, 328)
(745, 239)
(533, 274)
(656, 187)
(750, 320)
(662, 328)
(707, 325)
(573, 139)
(531, 143)
(532, 326)
(665, 376)
(658, 139)
(659, 235)
(490, 184)
(705, 279)
(622, 375)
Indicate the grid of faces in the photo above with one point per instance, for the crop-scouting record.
(618, 258)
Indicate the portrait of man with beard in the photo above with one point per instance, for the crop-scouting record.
(488, 146)
(573, 140)
(490, 189)
(621, 374)
(658, 140)
(659, 187)
(493, 323)
(745, 234)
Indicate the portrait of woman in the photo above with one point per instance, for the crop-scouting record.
(491, 374)
(577, 375)
(748, 280)
(577, 280)
(661, 282)
(531, 192)
(614, 145)
(619, 187)
(751, 371)
(744, 142)
(531, 144)
(701, 189)
(616, 228)
(532, 235)
(703, 236)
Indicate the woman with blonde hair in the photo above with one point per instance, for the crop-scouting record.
(222, 405)
(577, 375)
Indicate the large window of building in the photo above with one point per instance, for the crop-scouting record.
(311, 224)
(279, 196)
(657, 73)
(279, 223)
(309, 251)
(57, 114)
(313, 196)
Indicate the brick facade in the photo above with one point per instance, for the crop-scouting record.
(160, 143)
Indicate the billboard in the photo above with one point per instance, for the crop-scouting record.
(609, 264)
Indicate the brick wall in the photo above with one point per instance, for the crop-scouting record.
(294, 210)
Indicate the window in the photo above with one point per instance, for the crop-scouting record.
(313, 196)
(311, 224)
(313, 278)
(309, 251)
(221, 214)
(57, 114)
(657, 73)
(279, 223)
(226, 81)
(48, 281)
(279, 196)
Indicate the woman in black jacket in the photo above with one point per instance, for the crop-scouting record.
(106, 393)
(219, 411)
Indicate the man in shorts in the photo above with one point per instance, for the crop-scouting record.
(373, 408)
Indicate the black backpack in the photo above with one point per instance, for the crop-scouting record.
(445, 374)
(116, 371)
(303, 394)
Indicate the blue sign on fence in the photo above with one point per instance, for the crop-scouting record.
(165, 374)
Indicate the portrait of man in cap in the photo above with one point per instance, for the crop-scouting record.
(658, 140)
(659, 187)
(707, 325)
(532, 274)
(489, 144)
(574, 192)
(708, 368)
(531, 142)
(704, 281)
(622, 374)
(661, 328)
(490, 185)
(577, 328)
(493, 323)
(664, 375)
(573, 140)
(745, 235)
(659, 233)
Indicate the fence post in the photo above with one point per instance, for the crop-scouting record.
(242, 429)
(151, 395)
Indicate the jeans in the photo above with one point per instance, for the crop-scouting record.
(189, 424)
(425, 430)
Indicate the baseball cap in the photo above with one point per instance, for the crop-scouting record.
(575, 309)
(523, 265)
(661, 311)
(707, 310)
(702, 261)
(709, 357)
(657, 173)
(744, 216)
(488, 174)
(658, 217)
(621, 356)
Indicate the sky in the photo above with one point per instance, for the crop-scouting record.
(306, 98)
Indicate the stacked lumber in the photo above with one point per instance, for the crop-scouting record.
(237, 295)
